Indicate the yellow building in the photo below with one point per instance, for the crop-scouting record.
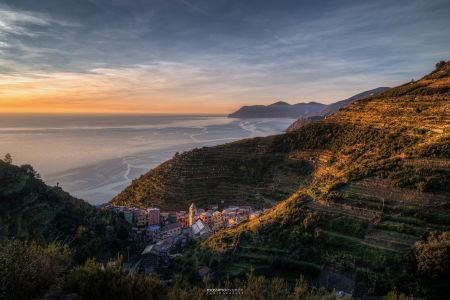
(192, 214)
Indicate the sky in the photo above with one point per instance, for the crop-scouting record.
(210, 56)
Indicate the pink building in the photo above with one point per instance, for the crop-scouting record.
(153, 216)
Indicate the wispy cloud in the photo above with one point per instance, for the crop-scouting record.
(224, 53)
(14, 22)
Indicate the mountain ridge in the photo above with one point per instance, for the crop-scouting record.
(281, 109)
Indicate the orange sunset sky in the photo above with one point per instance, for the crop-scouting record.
(212, 57)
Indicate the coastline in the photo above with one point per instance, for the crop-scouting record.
(97, 183)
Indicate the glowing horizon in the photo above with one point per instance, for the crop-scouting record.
(209, 57)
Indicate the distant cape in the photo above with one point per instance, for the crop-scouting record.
(282, 109)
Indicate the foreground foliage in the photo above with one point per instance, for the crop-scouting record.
(31, 210)
(29, 271)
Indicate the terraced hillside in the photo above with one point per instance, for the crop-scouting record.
(248, 171)
(376, 212)
(367, 199)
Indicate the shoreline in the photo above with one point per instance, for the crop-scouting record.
(97, 183)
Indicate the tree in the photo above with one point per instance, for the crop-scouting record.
(433, 262)
(94, 280)
(29, 170)
(8, 158)
(28, 270)
(440, 64)
(393, 295)
(433, 256)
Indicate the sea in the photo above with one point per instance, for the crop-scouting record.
(94, 157)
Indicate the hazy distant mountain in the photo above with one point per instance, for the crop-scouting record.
(282, 109)
(279, 109)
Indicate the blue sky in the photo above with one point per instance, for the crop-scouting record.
(210, 56)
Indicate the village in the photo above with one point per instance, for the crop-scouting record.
(165, 235)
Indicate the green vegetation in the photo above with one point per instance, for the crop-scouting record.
(379, 188)
(29, 271)
(433, 261)
(362, 195)
(31, 210)
(245, 172)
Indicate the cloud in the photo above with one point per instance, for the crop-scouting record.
(14, 22)
(213, 52)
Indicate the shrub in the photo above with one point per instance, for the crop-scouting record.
(28, 270)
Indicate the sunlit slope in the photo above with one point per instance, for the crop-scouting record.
(249, 171)
(380, 184)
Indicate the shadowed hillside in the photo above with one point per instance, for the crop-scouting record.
(31, 210)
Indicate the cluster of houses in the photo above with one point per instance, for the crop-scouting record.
(165, 234)
(155, 225)
(203, 221)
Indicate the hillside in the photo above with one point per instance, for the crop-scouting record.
(282, 109)
(279, 110)
(366, 195)
(248, 171)
(251, 171)
(31, 210)
(334, 107)
(302, 122)
(376, 214)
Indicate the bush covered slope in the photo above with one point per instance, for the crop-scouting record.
(31, 210)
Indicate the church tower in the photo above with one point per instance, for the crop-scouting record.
(192, 214)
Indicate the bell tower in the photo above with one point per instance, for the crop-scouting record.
(192, 214)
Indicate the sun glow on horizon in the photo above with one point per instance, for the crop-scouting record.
(127, 90)
(170, 89)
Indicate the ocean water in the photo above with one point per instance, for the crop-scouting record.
(95, 156)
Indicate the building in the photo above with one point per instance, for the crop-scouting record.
(140, 218)
(213, 207)
(154, 256)
(192, 214)
(240, 217)
(164, 216)
(231, 209)
(152, 231)
(231, 222)
(153, 216)
(182, 217)
(217, 220)
(206, 217)
(128, 215)
(200, 230)
(172, 217)
(172, 229)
